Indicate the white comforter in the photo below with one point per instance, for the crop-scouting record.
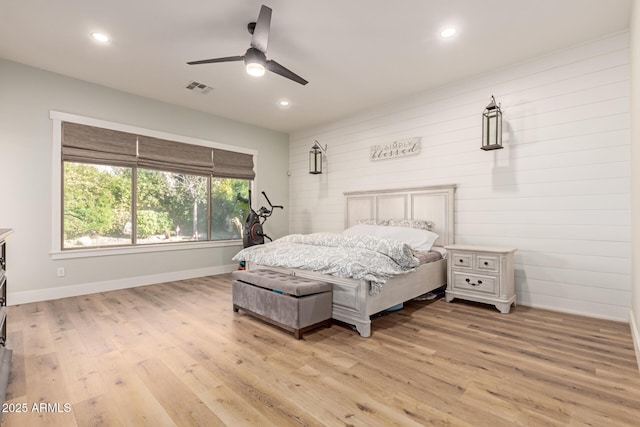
(370, 258)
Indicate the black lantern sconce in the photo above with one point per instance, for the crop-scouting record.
(315, 158)
(492, 126)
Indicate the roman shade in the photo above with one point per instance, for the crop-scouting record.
(162, 154)
(89, 144)
(230, 164)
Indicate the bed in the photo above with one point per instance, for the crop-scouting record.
(355, 301)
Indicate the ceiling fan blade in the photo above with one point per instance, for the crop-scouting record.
(274, 67)
(260, 37)
(211, 61)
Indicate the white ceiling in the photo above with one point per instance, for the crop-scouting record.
(356, 54)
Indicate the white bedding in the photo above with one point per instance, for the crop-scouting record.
(370, 258)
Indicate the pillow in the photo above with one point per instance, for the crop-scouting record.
(412, 223)
(363, 229)
(371, 222)
(418, 240)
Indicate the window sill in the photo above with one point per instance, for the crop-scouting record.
(126, 250)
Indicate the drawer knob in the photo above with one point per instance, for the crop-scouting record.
(486, 263)
(473, 284)
(460, 261)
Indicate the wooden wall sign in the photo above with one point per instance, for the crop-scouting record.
(400, 148)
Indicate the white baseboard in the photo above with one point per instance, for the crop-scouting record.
(25, 297)
(622, 317)
(635, 334)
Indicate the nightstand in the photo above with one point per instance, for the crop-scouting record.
(481, 274)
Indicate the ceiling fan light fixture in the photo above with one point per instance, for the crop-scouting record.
(255, 69)
(255, 59)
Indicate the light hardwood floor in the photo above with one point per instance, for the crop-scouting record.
(176, 354)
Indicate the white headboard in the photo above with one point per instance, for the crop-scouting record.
(433, 204)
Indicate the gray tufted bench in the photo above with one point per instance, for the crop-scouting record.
(290, 302)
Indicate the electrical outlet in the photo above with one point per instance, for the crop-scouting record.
(61, 272)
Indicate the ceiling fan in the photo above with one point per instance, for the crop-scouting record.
(255, 58)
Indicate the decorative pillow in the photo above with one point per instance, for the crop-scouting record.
(418, 240)
(411, 223)
(371, 222)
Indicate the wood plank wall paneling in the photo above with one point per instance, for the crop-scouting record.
(559, 191)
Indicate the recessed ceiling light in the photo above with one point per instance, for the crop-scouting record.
(103, 38)
(283, 103)
(448, 32)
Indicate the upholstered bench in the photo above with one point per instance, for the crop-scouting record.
(293, 303)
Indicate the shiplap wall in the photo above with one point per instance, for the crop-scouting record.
(559, 191)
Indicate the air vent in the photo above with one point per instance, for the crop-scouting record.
(199, 87)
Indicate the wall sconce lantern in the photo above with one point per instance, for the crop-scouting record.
(315, 158)
(492, 126)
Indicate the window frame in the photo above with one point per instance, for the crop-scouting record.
(57, 251)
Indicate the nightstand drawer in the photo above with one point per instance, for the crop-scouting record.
(472, 282)
(461, 260)
(487, 263)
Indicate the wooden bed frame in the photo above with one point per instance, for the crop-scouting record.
(352, 302)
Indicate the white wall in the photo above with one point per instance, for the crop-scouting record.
(635, 176)
(28, 95)
(559, 191)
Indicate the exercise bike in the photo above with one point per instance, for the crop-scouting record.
(252, 232)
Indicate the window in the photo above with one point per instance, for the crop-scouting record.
(123, 189)
(230, 208)
(96, 205)
(171, 207)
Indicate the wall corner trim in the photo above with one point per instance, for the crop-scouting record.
(635, 335)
